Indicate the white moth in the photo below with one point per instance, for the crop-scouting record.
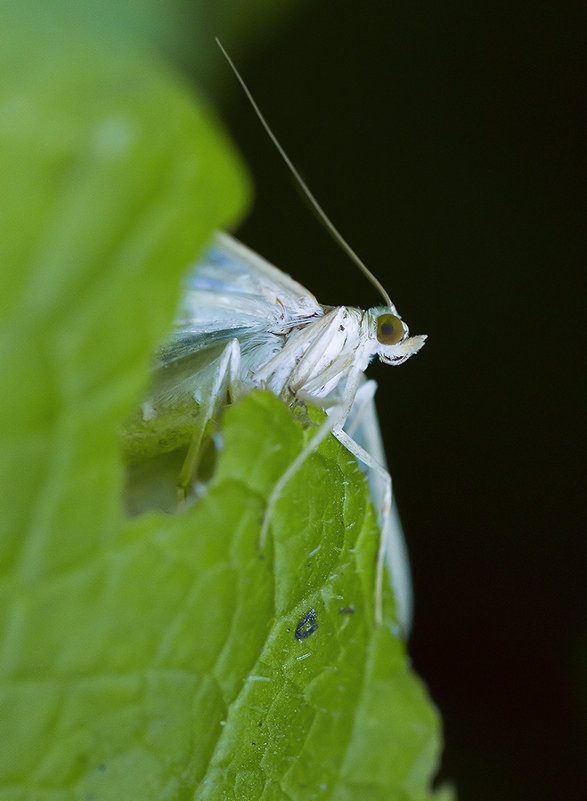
(244, 324)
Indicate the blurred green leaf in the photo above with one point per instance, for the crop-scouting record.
(112, 179)
(185, 32)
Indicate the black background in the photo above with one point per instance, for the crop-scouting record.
(444, 139)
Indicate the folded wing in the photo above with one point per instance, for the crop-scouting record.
(233, 287)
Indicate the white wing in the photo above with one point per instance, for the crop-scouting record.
(231, 292)
(233, 287)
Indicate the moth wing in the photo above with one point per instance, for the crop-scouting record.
(231, 292)
(233, 287)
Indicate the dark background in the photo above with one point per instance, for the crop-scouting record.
(444, 139)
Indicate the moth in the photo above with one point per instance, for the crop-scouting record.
(244, 324)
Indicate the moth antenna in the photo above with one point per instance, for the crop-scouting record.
(332, 230)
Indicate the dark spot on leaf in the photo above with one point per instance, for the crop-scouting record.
(346, 610)
(307, 625)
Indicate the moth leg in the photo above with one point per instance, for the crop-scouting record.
(336, 419)
(384, 512)
(363, 426)
(225, 381)
(361, 406)
(323, 431)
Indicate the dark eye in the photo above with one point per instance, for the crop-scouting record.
(390, 329)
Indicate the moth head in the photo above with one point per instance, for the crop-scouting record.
(392, 336)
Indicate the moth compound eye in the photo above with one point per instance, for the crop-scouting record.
(390, 329)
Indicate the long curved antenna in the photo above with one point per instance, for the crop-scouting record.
(304, 187)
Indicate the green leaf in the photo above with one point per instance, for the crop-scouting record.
(157, 658)
(338, 714)
(185, 32)
(112, 180)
